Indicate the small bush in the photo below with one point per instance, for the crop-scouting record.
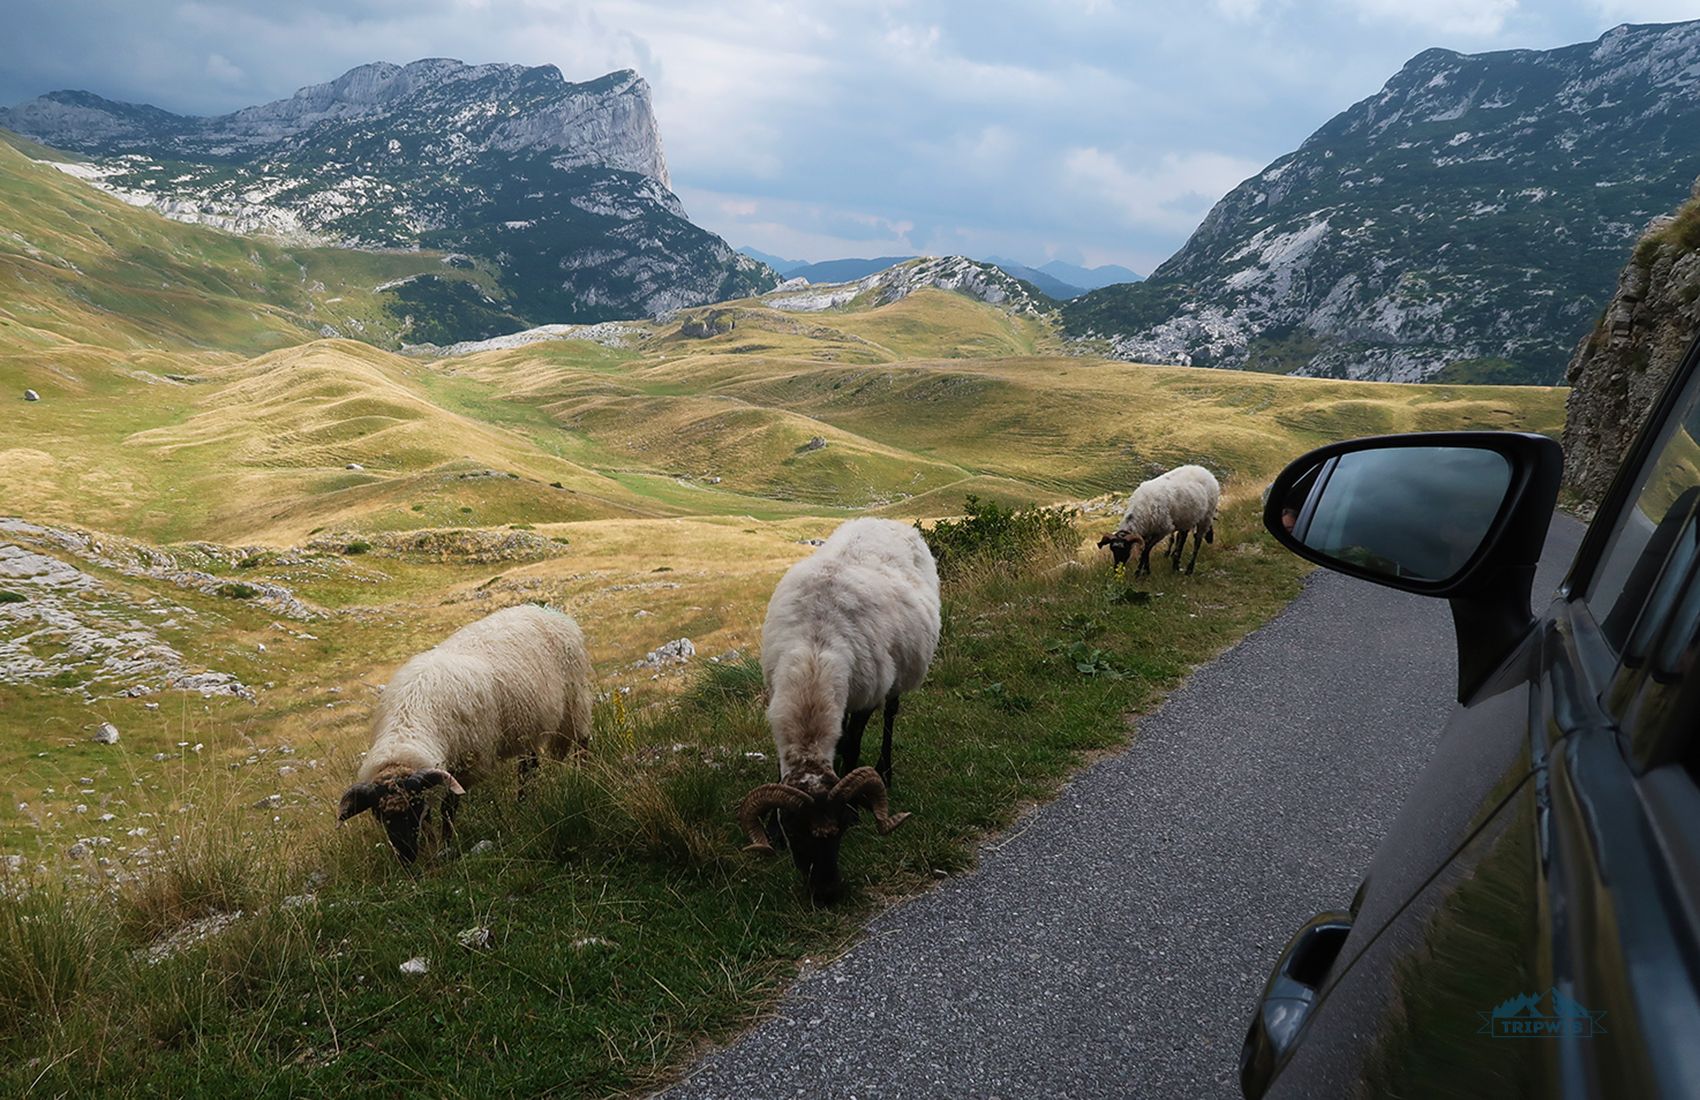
(238, 591)
(357, 547)
(12, 597)
(50, 946)
(989, 533)
(723, 685)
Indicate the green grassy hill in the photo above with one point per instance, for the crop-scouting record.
(80, 267)
(223, 532)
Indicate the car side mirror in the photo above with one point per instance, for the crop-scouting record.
(1461, 515)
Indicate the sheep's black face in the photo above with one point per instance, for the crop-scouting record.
(400, 804)
(1121, 546)
(814, 835)
(402, 809)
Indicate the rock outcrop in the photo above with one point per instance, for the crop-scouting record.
(984, 281)
(1470, 215)
(553, 198)
(1621, 367)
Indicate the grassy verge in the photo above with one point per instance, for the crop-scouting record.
(591, 937)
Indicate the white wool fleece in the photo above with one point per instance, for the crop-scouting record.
(514, 682)
(1184, 499)
(848, 627)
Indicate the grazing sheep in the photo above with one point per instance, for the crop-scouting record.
(849, 629)
(514, 683)
(1171, 505)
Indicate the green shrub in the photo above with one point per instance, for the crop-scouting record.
(357, 547)
(12, 597)
(238, 591)
(988, 533)
(723, 685)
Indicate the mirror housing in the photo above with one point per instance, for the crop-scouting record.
(1488, 586)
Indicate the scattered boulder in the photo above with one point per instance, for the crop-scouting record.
(106, 734)
(416, 966)
(354, 466)
(31, 395)
(673, 653)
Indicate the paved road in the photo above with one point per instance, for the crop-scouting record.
(1113, 942)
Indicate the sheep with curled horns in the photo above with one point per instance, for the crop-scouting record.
(848, 630)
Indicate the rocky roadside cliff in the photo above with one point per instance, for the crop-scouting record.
(1620, 368)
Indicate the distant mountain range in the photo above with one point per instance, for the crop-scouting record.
(553, 197)
(1055, 279)
(1465, 223)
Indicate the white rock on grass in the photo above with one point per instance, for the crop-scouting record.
(474, 937)
(416, 966)
(107, 734)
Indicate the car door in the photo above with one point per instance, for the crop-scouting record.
(1529, 926)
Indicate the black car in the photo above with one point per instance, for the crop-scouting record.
(1531, 925)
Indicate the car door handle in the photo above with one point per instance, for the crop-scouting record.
(1288, 998)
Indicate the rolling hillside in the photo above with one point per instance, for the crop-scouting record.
(223, 532)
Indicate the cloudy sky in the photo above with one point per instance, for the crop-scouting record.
(1090, 131)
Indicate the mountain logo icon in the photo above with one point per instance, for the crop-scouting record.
(1540, 1015)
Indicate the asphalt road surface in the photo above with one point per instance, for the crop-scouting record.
(1112, 944)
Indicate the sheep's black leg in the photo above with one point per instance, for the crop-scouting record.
(850, 741)
(451, 802)
(527, 765)
(884, 766)
(1196, 543)
(1144, 560)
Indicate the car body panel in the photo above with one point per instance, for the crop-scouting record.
(1531, 924)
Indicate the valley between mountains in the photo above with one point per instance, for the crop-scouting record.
(237, 492)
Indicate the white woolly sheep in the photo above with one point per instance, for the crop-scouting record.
(1177, 503)
(512, 684)
(849, 629)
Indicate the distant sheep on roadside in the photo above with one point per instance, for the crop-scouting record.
(849, 629)
(513, 684)
(1177, 503)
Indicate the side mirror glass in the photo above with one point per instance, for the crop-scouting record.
(1412, 513)
(1459, 515)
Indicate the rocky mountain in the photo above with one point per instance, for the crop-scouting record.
(1465, 222)
(982, 281)
(1621, 367)
(552, 198)
(1091, 278)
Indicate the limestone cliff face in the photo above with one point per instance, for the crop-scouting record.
(1620, 368)
(552, 197)
(1465, 219)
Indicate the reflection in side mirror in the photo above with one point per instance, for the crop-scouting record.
(1414, 513)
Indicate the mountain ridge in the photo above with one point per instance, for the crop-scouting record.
(1472, 211)
(556, 193)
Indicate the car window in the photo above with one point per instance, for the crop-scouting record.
(1646, 597)
(1646, 558)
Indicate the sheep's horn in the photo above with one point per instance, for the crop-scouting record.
(864, 787)
(1105, 541)
(767, 797)
(430, 777)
